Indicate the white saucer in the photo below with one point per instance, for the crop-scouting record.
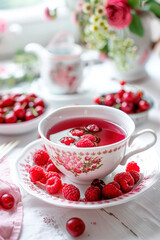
(148, 162)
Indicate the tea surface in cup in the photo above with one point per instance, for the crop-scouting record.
(86, 132)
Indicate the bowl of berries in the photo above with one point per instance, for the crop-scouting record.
(135, 103)
(20, 112)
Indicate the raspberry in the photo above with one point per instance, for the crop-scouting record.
(85, 143)
(90, 137)
(98, 183)
(71, 192)
(67, 140)
(53, 185)
(135, 175)
(36, 173)
(51, 174)
(132, 166)
(51, 167)
(40, 157)
(77, 131)
(111, 190)
(92, 194)
(93, 128)
(125, 180)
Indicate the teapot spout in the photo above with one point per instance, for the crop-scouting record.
(35, 48)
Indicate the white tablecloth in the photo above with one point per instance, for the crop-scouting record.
(137, 219)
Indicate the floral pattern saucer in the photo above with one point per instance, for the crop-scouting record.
(148, 162)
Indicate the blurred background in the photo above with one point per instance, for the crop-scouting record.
(38, 21)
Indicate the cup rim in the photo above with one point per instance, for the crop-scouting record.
(85, 106)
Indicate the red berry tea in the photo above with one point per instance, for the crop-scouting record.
(86, 132)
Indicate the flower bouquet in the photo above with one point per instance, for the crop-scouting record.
(110, 26)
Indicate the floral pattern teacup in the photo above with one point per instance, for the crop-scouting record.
(82, 165)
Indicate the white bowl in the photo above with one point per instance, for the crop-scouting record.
(23, 127)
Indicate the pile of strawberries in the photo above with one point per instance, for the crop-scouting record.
(45, 172)
(15, 108)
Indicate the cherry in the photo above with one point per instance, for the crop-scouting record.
(109, 100)
(19, 111)
(97, 100)
(127, 107)
(39, 110)
(143, 105)
(29, 115)
(1, 118)
(22, 99)
(31, 96)
(75, 227)
(7, 201)
(31, 104)
(38, 102)
(120, 93)
(7, 101)
(127, 97)
(10, 117)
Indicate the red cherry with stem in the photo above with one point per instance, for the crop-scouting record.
(127, 107)
(122, 83)
(29, 115)
(38, 102)
(19, 111)
(7, 201)
(144, 105)
(120, 93)
(1, 118)
(128, 97)
(109, 100)
(10, 117)
(75, 227)
(39, 110)
(23, 100)
(7, 101)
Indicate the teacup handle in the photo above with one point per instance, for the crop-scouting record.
(141, 149)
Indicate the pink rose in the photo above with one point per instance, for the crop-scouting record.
(118, 13)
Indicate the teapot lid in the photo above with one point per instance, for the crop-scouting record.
(62, 46)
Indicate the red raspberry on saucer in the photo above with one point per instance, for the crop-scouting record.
(135, 175)
(132, 166)
(51, 167)
(111, 190)
(85, 143)
(125, 181)
(90, 137)
(36, 173)
(52, 174)
(93, 128)
(67, 140)
(71, 192)
(77, 132)
(40, 157)
(98, 183)
(49, 175)
(53, 185)
(93, 193)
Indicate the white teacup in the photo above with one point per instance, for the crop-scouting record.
(103, 159)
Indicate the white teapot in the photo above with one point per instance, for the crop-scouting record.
(61, 64)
